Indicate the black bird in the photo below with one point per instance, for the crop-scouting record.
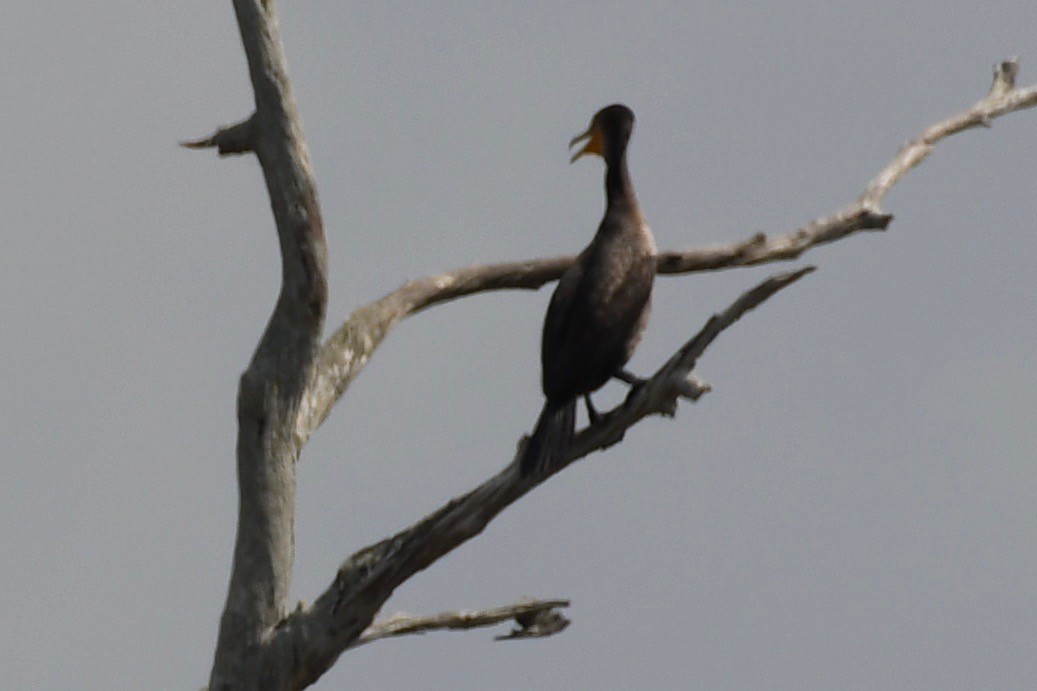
(600, 307)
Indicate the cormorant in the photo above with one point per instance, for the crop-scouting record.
(600, 307)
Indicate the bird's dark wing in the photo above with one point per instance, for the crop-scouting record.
(594, 321)
(562, 319)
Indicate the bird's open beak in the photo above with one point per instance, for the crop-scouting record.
(593, 145)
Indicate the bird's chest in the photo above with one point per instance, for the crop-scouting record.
(620, 265)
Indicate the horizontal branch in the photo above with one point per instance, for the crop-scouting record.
(535, 619)
(317, 635)
(346, 352)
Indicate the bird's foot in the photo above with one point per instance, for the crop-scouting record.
(633, 380)
(630, 378)
(592, 413)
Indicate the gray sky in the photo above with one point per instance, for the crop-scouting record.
(851, 507)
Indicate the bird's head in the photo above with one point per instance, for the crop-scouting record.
(609, 132)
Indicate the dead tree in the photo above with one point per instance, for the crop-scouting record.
(297, 375)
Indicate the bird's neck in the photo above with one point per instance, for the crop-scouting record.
(619, 189)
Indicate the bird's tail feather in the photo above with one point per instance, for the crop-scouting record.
(551, 438)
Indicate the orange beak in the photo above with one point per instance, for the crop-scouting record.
(593, 145)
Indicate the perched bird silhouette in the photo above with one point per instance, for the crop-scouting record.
(600, 307)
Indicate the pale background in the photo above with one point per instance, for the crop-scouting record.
(852, 507)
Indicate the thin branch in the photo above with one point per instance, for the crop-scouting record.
(232, 139)
(320, 633)
(346, 351)
(535, 619)
(1002, 99)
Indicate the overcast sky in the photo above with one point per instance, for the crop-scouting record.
(851, 507)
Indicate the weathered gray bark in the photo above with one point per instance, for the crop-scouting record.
(274, 383)
(295, 378)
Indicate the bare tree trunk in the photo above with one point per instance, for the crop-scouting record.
(273, 385)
